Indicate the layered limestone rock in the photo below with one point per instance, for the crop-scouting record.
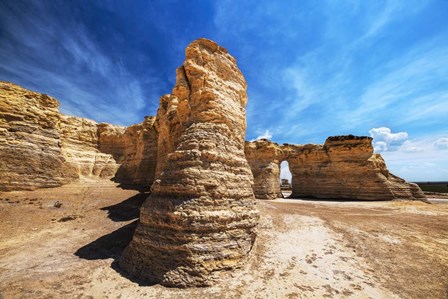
(39, 147)
(30, 142)
(168, 128)
(346, 167)
(135, 150)
(79, 146)
(264, 158)
(200, 218)
(173, 112)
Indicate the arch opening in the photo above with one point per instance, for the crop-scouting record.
(285, 179)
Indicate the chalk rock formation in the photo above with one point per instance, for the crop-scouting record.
(264, 158)
(134, 148)
(30, 143)
(79, 146)
(345, 167)
(200, 218)
(169, 129)
(39, 147)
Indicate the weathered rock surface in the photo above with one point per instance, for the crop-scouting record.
(39, 147)
(80, 148)
(135, 150)
(30, 142)
(200, 218)
(344, 167)
(264, 158)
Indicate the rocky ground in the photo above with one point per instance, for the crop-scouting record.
(64, 242)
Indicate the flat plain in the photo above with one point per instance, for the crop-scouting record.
(64, 243)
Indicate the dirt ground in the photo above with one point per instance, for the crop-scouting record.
(305, 248)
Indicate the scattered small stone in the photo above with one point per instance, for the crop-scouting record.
(57, 204)
(68, 218)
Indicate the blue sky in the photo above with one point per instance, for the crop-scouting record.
(314, 68)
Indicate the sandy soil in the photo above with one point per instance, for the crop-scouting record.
(305, 249)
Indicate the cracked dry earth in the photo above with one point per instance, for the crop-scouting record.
(305, 249)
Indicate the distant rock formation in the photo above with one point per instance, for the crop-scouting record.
(200, 218)
(344, 167)
(79, 147)
(135, 150)
(41, 148)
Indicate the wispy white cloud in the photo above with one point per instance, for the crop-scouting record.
(419, 160)
(409, 87)
(332, 85)
(69, 64)
(441, 143)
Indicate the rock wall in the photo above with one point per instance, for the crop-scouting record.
(200, 218)
(39, 147)
(345, 167)
(135, 150)
(169, 129)
(79, 145)
(30, 142)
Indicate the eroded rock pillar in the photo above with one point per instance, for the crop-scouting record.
(200, 218)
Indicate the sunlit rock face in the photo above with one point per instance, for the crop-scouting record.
(264, 158)
(41, 148)
(135, 150)
(79, 145)
(346, 167)
(200, 218)
(30, 142)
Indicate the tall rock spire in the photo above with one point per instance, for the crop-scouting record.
(201, 217)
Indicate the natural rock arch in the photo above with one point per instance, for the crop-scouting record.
(343, 167)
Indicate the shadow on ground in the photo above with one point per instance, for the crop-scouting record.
(113, 244)
(110, 245)
(126, 210)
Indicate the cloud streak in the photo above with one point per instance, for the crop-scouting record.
(68, 64)
(420, 159)
(312, 70)
(266, 135)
